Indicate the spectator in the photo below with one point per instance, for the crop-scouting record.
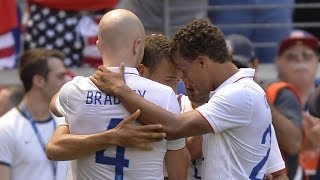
(253, 16)
(296, 63)
(25, 130)
(10, 96)
(54, 25)
(8, 22)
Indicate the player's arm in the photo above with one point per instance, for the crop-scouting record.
(284, 129)
(175, 126)
(53, 107)
(314, 103)
(312, 131)
(177, 162)
(194, 145)
(287, 121)
(66, 146)
(281, 175)
(5, 172)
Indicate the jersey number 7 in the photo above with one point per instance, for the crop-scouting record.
(258, 167)
(119, 161)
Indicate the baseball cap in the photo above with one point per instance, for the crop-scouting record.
(241, 48)
(298, 36)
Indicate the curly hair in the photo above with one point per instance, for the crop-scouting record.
(200, 37)
(157, 48)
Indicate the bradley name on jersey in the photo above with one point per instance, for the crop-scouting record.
(99, 98)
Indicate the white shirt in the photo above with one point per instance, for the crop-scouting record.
(87, 110)
(240, 118)
(194, 171)
(275, 162)
(21, 151)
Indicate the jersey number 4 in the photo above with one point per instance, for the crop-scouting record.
(119, 161)
(258, 167)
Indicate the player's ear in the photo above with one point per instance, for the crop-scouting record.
(98, 45)
(144, 71)
(137, 46)
(202, 61)
(141, 69)
(38, 80)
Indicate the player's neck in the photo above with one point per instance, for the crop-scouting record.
(37, 106)
(115, 62)
(223, 73)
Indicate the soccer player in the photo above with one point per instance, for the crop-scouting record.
(275, 164)
(157, 63)
(87, 110)
(237, 119)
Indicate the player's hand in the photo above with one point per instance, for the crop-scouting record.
(138, 136)
(268, 176)
(107, 81)
(312, 128)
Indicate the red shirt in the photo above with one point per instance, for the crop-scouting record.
(76, 4)
(8, 15)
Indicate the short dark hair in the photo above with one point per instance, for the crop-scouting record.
(35, 62)
(157, 48)
(200, 37)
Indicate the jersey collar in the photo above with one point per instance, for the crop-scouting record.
(127, 70)
(242, 73)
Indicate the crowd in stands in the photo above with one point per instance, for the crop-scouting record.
(68, 31)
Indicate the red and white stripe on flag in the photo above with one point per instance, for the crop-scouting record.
(7, 48)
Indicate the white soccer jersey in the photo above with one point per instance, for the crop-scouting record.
(87, 110)
(240, 117)
(20, 148)
(275, 162)
(194, 171)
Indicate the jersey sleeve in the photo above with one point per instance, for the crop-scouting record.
(275, 161)
(173, 106)
(7, 145)
(228, 109)
(62, 100)
(60, 121)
